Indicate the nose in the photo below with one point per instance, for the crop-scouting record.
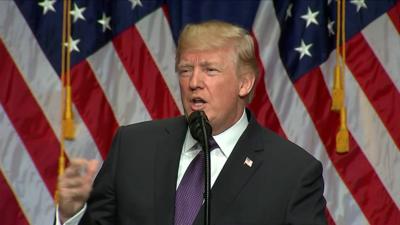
(196, 80)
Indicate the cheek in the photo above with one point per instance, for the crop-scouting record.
(183, 85)
(226, 94)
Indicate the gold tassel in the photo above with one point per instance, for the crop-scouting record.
(338, 91)
(67, 126)
(68, 118)
(342, 137)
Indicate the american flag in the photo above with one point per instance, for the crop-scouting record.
(122, 71)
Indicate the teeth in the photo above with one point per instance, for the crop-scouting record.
(198, 100)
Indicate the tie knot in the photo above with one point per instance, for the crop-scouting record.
(212, 144)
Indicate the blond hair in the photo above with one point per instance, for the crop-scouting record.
(218, 34)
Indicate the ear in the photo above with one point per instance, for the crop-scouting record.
(247, 81)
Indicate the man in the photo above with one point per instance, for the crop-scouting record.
(257, 177)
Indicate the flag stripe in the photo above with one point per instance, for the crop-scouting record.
(375, 82)
(138, 63)
(161, 46)
(388, 59)
(10, 205)
(265, 113)
(34, 129)
(296, 122)
(394, 15)
(41, 78)
(93, 106)
(368, 130)
(83, 144)
(23, 177)
(31, 61)
(313, 91)
(261, 104)
(124, 100)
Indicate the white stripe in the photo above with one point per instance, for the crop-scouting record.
(294, 118)
(369, 131)
(155, 31)
(40, 77)
(23, 177)
(118, 88)
(384, 40)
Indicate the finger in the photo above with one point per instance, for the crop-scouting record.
(77, 167)
(73, 171)
(80, 165)
(73, 182)
(92, 167)
(75, 194)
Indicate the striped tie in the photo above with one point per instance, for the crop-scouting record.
(189, 195)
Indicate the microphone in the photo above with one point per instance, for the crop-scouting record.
(201, 130)
(199, 126)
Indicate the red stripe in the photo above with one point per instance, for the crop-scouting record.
(261, 104)
(329, 217)
(394, 14)
(165, 9)
(353, 167)
(93, 106)
(145, 75)
(28, 120)
(376, 84)
(11, 211)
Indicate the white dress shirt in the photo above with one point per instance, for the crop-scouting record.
(226, 142)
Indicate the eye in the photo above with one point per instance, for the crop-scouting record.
(212, 71)
(184, 72)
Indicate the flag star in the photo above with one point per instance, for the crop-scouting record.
(105, 22)
(330, 27)
(359, 3)
(289, 11)
(304, 49)
(310, 17)
(135, 3)
(74, 44)
(77, 13)
(47, 5)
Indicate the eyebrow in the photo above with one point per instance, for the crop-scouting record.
(186, 64)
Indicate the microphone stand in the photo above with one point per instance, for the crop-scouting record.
(201, 130)
(207, 176)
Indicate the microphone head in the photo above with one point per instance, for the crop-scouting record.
(197, 120)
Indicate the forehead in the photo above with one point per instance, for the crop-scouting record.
(215, 56)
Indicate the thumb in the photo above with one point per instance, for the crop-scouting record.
(92, 167)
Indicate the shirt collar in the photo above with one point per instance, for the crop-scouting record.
(225, 140)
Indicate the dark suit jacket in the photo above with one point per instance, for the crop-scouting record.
(137, 182)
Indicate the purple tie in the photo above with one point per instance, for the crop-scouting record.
(189, 195)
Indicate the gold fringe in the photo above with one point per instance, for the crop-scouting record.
(342, 137)
(68, 118)
(338, 91)
(67, 126)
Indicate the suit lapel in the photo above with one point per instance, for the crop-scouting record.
(235, 173)
(166, 166)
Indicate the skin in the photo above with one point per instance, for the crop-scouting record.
(209, 81)
(209, 76)
(74, 186)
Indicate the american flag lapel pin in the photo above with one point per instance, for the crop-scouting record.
(248, 162)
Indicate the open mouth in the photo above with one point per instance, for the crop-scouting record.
(197, 103)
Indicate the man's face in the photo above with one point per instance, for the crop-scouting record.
(209, 82)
